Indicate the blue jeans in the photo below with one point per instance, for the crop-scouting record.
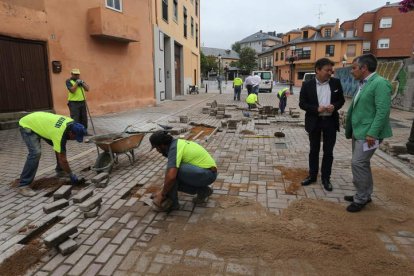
(282, 104)
(255, 89)
(32, 141)
(191, 180)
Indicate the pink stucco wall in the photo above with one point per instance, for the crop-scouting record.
(120, 74)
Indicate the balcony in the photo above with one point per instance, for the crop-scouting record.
(108, 24)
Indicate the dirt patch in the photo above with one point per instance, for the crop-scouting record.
(247, 132)
(318, 235)
(194, 132)
(51, 183)
(294, 176)
(310, 237)
(24, 259)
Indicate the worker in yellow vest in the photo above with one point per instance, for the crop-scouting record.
(53, 129)
(282, 96)
(252, 100)
(237, 85)
(77, 98)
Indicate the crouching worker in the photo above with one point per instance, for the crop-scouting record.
(252, 100)
(190, 169)
(282, 95)
(54, 130)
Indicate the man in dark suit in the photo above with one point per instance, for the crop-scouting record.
(321, 98)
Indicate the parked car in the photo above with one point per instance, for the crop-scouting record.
(267, 80)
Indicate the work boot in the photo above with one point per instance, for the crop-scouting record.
(202, 196)
(26, 191)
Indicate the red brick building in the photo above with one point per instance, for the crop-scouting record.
(386, 32)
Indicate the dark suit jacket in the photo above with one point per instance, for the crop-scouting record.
(308, 101)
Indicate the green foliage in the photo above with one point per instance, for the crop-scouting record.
(248, 60)
(236, 47)
(208, 63)
(234, 64)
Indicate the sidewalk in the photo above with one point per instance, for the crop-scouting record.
(127, 238)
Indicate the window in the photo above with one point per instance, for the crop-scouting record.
(282, 55)
(114, 5)
(349, 33)
(366, 47)
(383, 43)
(351, 50)
(196, 7)
(192, 26)
(196, 40)
(165, 10)
(367, 27)
(327, 33)
(302, 53)
(175, 3)
(330, 50)
(386, 22)
(277, 56)
(185, 22)
(305, 34)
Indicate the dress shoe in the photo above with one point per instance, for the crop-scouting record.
(355, 207)
(327, 184)
(351, 199)
(308, 180)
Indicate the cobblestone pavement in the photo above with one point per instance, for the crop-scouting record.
(116, 241)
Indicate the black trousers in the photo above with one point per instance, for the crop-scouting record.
(78, 112)
(326, 128)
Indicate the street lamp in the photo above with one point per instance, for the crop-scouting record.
(291, 59)
(219, 69)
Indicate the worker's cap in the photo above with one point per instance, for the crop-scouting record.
(79, 130)
(159, 138)
(75, 71)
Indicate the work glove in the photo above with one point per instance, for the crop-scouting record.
(74, 179)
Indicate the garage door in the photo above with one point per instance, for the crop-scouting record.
(24, 78)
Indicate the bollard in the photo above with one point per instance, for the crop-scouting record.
(206, 87)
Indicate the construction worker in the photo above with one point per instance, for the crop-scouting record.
(237, 85)
(77, 98)
(190, 169)
(282, 96)
(252, 100)
(53, 129)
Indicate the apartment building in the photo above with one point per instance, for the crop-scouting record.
(301, 48)
(176, 29)
(386, 32)
(260, 41)
(110, 41)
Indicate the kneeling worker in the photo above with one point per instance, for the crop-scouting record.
(190, 169)
(252, 100)
(55, 130)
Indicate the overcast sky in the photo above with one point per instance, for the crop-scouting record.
(224, 22)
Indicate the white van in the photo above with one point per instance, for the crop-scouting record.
(267, 80)
(309, 76)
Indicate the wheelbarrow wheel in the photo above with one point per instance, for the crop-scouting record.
(104, 159)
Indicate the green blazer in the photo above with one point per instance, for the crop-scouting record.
(369, 114)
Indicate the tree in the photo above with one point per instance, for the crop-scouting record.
(406, 6)
(236, 47)
(248, 60)
(207, 63)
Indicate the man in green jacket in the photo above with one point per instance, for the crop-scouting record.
(53, 129)
(367, 123)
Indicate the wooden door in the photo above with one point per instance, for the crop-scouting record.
(24, 77)
(177, 65)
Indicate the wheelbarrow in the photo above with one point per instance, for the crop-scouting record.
(113, 145)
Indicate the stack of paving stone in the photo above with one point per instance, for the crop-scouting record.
(269, 110)
(221, 111)
(232, 124)
(61, 239)
(60, 199)
(293, 112)
(184, 119)
(397, 149)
